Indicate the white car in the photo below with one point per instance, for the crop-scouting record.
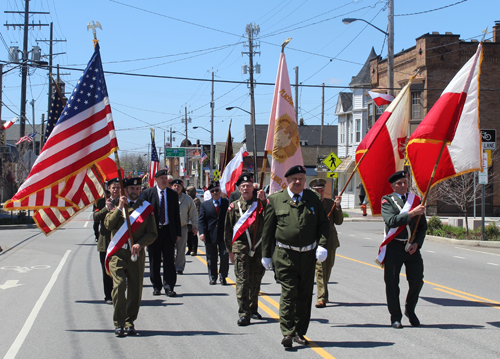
(200, 194)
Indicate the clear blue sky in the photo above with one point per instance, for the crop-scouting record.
(193, 38)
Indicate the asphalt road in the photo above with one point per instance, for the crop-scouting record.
(51, 303)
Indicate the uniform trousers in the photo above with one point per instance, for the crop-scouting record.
(295, 271)
(106, 279)
(180, 250)
(128, 278)
(214, 249)
(163, 246)
(249, 272)
(192, 241)
(323, 272)
(395, 257)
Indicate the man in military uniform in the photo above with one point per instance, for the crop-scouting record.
(102, 207)
(193, 238)
(296, 220)
(243, 251)
(400, 211)
(324, 269)
(127, 274)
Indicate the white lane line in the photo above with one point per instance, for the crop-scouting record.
(352, 235)
(367, 238)
(493, 264)
(430, 251)
(14, 348)
(459, 257)
(473, 250)
(86, 223)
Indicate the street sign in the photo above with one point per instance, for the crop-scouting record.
(483, 176)
(488, 139)
(332, 175)
(175, 152)
(332, 161)
(216, 175)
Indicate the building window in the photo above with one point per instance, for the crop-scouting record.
(358, 130)
(351, 131)
(416, 105)
(342, 125)
(371, 116)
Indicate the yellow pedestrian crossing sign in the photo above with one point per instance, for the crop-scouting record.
(332, 161)
(216, 175)
(332, 175)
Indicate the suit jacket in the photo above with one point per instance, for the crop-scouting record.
(210, 224)
(173, 213)
(393, 219)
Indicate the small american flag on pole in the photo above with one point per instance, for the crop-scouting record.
(155, 162)
(63, 180)
(27, 138)
(203, 158)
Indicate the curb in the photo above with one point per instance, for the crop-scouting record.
(18, 226)
(464, 242)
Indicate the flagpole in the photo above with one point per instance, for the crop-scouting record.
(101, 180)
(366, 151)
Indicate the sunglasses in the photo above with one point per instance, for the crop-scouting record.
(215, 190)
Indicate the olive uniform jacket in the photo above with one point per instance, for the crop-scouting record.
(393, 219)
(336, 219)
(100, 212)
(296, 225)
(144, 235)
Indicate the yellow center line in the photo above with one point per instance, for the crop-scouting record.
(319, 350)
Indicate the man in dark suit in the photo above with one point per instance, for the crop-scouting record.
(211, 229)
(166, 204)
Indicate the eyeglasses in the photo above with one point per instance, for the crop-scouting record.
(215, 190)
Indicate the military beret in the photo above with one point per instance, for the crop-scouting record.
(317, 183)
(161, 173)
(397, 175)
(113, 180)
(245, 177)
(294, 170)
(213, 184)
(177, 181)
(134, 181)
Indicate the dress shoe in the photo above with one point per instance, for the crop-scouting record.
(119, 332)
(180, 272)
(287, 341)
(156, 291)
(320, 304)
(223, 281)
(194, 254)
(243, 321)
(109, 301)
(300, 339)
(130, 331)
(188, 253)
(171, 293)
(256, 315)
(213, 282)
(397, 324)
(413, 319)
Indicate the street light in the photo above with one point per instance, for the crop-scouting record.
(203, 128)
(390, 43)
(254, 142)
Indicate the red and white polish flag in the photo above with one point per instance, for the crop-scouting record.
(381, 99)
(232, 171)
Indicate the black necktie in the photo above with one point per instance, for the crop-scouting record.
(403, 197)
(131, 204)
(162, 207)
(296, 198)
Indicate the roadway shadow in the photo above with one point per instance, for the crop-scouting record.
(319, 320)
(366, 325)
(87, 244)
(448, 302)
(451, 326)
(356, 344)
(157, 303)
(495, 324)
(100, 301)
(153, 333)
(346, 304)
(203, 295)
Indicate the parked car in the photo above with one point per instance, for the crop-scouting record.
(200, 194)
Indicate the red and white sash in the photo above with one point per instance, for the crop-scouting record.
(121, 236)
(412, 202)
(246, 221)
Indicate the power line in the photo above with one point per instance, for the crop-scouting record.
(427, 11)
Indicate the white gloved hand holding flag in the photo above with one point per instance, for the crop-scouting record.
(267, 263)
(321, 254)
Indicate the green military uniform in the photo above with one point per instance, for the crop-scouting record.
(324, 270)
(247, 269)
(302, 226)
(125, 273)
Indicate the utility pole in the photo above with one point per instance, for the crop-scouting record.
(24, 63)
(186, 162)
(34, 128)
(390, 47)
(252, 30)
(212, 106)
(2, 132)
(296, 94)
(322, 113)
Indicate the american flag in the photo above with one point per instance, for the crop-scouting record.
(203, 158)
(155, 162)
(27, 138)
(56, 108)
(64, 180)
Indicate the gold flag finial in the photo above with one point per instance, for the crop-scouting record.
(94, 25)
(285, 43)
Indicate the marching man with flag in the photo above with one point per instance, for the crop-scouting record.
(127, 273)
(400, 211)
(244, 248)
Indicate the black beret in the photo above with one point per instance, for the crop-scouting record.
(294, 170)
(213, 184)
(398, 175)
(161, 173)
(317, 183)
(134, 181)
(177, 181)
(113, 180)
(245, 177)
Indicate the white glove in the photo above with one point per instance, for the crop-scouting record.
(321, 254)
(267, 263)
